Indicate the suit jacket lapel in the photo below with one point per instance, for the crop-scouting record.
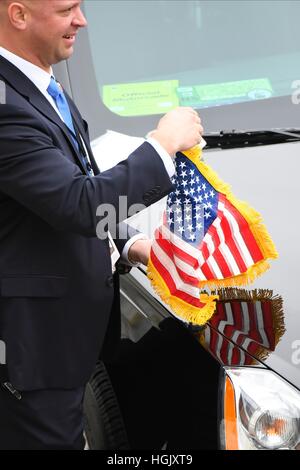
(78, 121)
(44, 107)
(25, 87)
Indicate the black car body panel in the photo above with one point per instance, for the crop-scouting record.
(266, 176)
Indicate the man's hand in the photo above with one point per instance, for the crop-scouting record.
(139, 251)
(178, 130)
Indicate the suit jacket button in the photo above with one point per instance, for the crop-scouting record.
(110, 281)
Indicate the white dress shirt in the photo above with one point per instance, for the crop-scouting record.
(41, 80)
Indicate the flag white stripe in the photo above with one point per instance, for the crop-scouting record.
(214, 267)
(260, 321)
(178, 242)
(186, 268)
(209, 243)
(230, 352)
(201, 263)
(219, 347)
(242, 357)
(212, 263)
(239, 241)
(236, 235)
(201, 259)
(184, 246)
(169, 265)
(211, 260)
(231, 263)
(246, 322)
(228, 321)
(225, 251)
(245, 325)
(201, 276)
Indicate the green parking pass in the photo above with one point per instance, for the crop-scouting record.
(138, 99)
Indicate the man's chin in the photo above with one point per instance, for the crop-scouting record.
(68, 52)
(64, 55)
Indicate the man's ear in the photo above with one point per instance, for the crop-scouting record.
(18, 14)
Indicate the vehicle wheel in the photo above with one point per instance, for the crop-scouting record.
(104, 425)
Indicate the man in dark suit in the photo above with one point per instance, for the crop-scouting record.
(57, 286)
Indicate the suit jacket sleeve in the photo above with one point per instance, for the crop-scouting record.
(34, 172)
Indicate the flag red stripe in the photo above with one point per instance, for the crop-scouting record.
(223, 350)
(245, 231)
(240, 323)
(230, 242)
(204, 250)
(258, 327)
(268, 322)
(218, 315)
(252, 348)
(164, 273)
(239, 319)
(236, 358)
(207, 272)
(168, 248)
(248, 360)
(187, 278)
(177, 251)
(254, 330)
(217, 255)
(215, 240)
(221, 261)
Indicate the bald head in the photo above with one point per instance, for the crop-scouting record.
(9, 7)
(3, 8)
(40, 31)
(5, 4)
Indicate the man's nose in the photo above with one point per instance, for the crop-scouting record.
(79, 19)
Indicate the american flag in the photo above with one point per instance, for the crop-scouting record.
(253, 326)
(204, 241)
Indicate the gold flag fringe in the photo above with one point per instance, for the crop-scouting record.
(252, 217)
(184, 310)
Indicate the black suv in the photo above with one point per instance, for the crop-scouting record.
(234, 383)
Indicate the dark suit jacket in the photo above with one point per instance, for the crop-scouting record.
(56, 282)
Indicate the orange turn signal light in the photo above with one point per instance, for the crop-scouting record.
(230, 419)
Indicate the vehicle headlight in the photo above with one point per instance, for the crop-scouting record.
(261, 411)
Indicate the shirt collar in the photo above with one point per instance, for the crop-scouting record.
(38, 76)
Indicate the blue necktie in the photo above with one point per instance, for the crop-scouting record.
(55, 90)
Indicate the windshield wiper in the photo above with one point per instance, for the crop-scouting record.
(227, 139)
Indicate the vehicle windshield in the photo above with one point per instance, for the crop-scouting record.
(238, 62)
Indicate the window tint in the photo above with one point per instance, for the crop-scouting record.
(150, 56)
(237, 62)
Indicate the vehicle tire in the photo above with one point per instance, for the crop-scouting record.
(104, 425)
